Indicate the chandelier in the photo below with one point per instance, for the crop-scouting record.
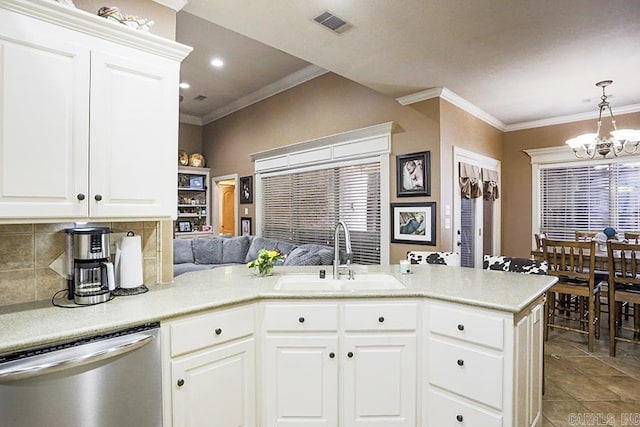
(620, 140)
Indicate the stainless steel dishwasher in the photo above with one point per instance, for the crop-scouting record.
(111, 380)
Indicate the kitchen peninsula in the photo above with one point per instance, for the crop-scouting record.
(456, 343)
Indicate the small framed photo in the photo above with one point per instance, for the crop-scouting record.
(413, 174)
(184, 226)
(413, 223)
(246, 189)
(245, 226)
(196, 182)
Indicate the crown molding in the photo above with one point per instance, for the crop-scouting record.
(454, 99)
(191, 120)
(592, 115)
(292, 80)
(93, 25)
(176, 5)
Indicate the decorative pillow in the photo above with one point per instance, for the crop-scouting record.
(258, 243)
(207, 251)
(324, 252)
(182, 252)
(285, 247)
(234, 250)
(303, 256)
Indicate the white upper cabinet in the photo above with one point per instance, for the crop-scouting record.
(88, 116)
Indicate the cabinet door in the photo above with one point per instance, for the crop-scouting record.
(134, 135)
(300, 380)
(380, 380)
(44, 119)
(218, 387)
(528, 368)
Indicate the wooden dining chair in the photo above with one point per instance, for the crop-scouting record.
(573, 262)
(441, 258)
(624, 287)
(582, 236)
(539, 237)
(632, 237)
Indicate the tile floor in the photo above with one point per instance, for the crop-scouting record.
(590, 389)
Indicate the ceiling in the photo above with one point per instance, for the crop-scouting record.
(518, 61)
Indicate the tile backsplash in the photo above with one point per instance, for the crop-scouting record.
(26, 250)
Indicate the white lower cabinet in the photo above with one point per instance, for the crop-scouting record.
(209, 370)
(339, 364)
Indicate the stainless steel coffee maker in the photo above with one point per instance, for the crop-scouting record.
(90, 276)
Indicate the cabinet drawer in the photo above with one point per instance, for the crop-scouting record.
(467, 371)
(210, 329)
(466, 325)
(448, 411)
(381, 316)
(300, 317)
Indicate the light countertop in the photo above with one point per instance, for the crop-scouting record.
(40, 323)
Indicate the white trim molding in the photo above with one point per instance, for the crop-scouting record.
(454, 99)
(358, 143)
(292, 80)
(564, 154)
(191, 120)
(85, 22)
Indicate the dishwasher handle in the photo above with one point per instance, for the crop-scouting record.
(71, 358)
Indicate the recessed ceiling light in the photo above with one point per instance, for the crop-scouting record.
(184, 85)
(217, 62)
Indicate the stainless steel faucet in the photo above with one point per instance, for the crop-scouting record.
(336, 246)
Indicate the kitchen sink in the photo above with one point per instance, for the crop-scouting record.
(362, 281)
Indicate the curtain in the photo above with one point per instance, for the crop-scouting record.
(470, 182)
(490, 180)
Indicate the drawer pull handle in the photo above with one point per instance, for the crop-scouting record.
(80, 196)
(460, 327)
(380, 319)
(301, 319)
(218, 331)
(460, 418)
(180, 382)
(350, 355)
(332, 355)
(98, 197)
(460, 362)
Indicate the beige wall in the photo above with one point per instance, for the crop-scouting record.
(27, 250)
(516, 175)
(163, 17)
(324, 106)
(190, 138)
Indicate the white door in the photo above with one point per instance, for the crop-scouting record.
(44, 125)
(134, 128)
(379, 380)
(215, 388)
(476, 221)
(301, 381)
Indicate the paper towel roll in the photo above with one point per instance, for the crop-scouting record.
(130, 268)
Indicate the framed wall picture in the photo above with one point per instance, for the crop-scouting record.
(245, 226)
(413, 174)
(246, 189)
(196, 182)
(184, 226)
(413, 223)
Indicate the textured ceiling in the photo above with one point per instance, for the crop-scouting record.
(519, 61)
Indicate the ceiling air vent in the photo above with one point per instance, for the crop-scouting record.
(200, 98)
(332, 22)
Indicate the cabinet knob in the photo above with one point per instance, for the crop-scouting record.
(332, 355)
(380, 319)
(460, 362)
(98, 197)
(460, 327)
(218, 331)
(350, 354)
(180, 382)
(460, 418)
(301, 319)
(80, 196)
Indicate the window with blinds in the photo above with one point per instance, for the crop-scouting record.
(304, 207)
(589, 197)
